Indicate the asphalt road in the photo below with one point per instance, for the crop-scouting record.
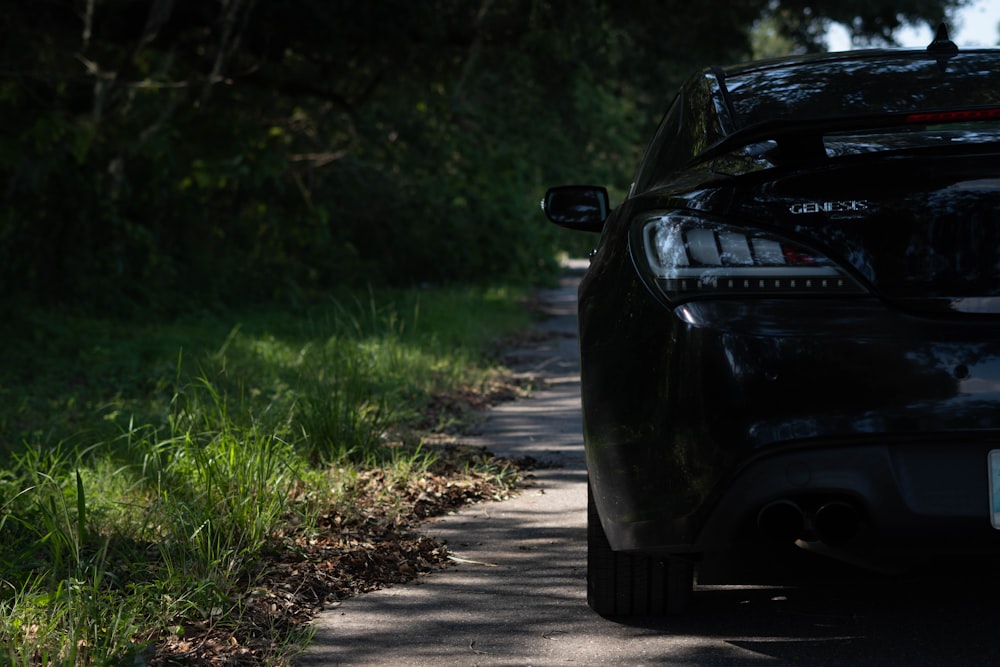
(517, 595)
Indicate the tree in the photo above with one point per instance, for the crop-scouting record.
(235, 149)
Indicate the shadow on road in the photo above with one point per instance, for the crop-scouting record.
(517, 592)
(872, 621)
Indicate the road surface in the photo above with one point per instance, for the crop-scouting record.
(517, 594)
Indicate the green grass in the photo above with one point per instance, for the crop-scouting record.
(147, 467)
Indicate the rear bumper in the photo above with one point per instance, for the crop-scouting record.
(898, 501)
(910, 498)
(718, 409)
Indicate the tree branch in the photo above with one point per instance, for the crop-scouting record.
(228, 42)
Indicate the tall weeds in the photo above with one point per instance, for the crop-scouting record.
(164, 492)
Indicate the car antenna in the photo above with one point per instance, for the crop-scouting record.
(942, 43)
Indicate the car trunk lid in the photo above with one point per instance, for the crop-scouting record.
(923, 233)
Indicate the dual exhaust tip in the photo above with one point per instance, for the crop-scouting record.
(835, 522)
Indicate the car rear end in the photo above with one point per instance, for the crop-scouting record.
(833, 369)
(794, 339)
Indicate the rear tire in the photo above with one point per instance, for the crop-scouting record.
(625, 584)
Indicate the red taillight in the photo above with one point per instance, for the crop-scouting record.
(964, 116)
(688, 257)
(796, 257)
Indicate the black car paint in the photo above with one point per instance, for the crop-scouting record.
(699, 414)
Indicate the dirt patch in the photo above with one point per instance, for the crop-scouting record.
(373, 544)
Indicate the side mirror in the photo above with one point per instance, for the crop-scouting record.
(580, 207)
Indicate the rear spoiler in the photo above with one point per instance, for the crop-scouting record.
(803, 139)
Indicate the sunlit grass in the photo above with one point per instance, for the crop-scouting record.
(146, 467)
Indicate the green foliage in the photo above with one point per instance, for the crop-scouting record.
(768, 41)
(142, 487)
(163, 153)
(58, 604)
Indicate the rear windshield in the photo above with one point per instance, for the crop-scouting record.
(846, 86)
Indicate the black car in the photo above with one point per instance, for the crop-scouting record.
(790, 327)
